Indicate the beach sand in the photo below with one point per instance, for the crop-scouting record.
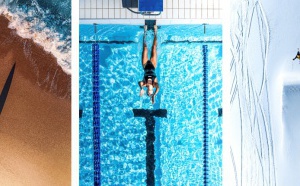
(35, 123)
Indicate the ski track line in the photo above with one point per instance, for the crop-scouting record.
(265, 123)
(262, 42)
(239, 103)
(241, 128)
(232, 62)
(234, 166)
(271, 154)
(236, 89)
(258, 145)
(264, 17)
(234, 93)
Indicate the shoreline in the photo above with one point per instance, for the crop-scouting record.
(35, 123)
(39, 67)
(47, 38)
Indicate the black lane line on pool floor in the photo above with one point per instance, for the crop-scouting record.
(96, 115)
(150, 138)
(205, 116)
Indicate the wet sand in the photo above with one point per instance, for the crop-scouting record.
(35, 123)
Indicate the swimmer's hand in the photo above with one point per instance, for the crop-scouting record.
(153, 99)
(142, 92)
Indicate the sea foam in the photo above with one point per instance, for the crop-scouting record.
(37, 30)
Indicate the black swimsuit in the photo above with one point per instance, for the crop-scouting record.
(149, 70)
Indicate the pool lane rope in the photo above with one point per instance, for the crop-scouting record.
(96, 115)
(205, 117)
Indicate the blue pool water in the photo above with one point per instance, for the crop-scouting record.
(179, 137)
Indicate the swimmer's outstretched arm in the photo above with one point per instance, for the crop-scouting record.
(157, 89)
(155, 93)
(141, 84)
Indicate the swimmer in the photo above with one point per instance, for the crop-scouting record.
(149, 81)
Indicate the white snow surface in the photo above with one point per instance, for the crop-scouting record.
(261, 130)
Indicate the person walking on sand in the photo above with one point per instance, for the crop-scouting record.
(297, 55)
(149, 80)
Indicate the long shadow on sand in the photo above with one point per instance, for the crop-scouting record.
(6, 87)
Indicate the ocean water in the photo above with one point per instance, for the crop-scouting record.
(48, 23)
(179, 137)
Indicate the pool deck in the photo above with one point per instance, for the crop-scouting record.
(174, 12)
(158, 21)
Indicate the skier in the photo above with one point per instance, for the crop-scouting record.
(298, 55)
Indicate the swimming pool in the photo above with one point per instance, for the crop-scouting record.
(178, 145)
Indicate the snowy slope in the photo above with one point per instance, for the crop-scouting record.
(261, 93)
